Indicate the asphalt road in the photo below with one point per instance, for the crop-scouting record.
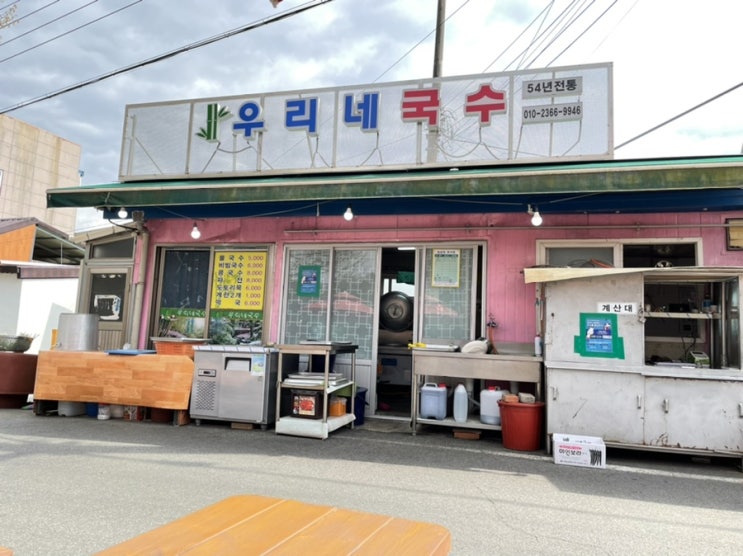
(77, 485)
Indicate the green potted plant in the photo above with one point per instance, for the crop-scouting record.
(16, 343)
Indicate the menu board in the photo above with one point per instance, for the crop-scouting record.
(239, 280)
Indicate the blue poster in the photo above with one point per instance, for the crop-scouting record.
(309, 281)
(599, 335)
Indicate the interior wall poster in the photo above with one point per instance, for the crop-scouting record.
(445, 272)
(599, 336)
(308, 281)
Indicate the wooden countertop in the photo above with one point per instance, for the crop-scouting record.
(160, 381)
(250, 524)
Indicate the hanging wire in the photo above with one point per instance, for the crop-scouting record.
(193, 46)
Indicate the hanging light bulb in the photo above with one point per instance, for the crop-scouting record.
(348, 215)
(536, 218)
(195, 232)
(122, 213)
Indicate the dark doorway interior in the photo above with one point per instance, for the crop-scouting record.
(397, 308)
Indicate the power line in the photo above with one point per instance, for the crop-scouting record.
(66, 32)
(684, 113)
(503, 52)
(193, 46)
(584, 32)
(416, 45)
(19, 19)
(8, 6)
(549, 35)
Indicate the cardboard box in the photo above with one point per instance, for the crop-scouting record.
(583, 451)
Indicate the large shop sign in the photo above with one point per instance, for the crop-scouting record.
(476, 119)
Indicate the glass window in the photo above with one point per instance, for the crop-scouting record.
(580, 256)
(183, 293)
(107, 292)
(347, 277)
(354, 289)
(122, 249)
(305, 309)
(619, 253)
(448, 295)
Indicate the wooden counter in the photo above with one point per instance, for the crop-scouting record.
(249, 524)
(159, 381)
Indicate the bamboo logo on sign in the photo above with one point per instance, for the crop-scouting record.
(214, 114)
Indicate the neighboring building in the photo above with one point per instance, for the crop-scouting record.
(32, 161)
(39, 270)
(39, 264)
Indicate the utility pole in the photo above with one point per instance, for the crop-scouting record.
(438, 54)
(432, 139)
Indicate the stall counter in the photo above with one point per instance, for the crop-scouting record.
(158, 381)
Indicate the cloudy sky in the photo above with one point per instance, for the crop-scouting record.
(667, 55)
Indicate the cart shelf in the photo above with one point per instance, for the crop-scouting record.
(312, 428)
(667, 315)
(304, 426)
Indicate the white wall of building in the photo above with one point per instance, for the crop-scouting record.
(10, 293)
(40, 301)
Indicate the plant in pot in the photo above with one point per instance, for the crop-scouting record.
(16, 343)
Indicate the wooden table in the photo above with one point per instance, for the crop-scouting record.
(250, 524)
(155, 381)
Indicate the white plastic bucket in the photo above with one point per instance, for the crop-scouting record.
(433, 401)
(489, 409)
(104, 411)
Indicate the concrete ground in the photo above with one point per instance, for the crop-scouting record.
(77, 485)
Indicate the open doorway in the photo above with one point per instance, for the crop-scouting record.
(396, 319)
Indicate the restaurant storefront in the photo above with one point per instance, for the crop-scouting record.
(239, 239)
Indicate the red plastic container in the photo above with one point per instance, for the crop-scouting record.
(521, 425)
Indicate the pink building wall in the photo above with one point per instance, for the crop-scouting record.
(510, 239)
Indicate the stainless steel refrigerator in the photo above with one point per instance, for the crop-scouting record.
(234, 383)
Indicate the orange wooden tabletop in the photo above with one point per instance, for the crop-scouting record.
(250, 524)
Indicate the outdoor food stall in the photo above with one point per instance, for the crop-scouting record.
(644, 358)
